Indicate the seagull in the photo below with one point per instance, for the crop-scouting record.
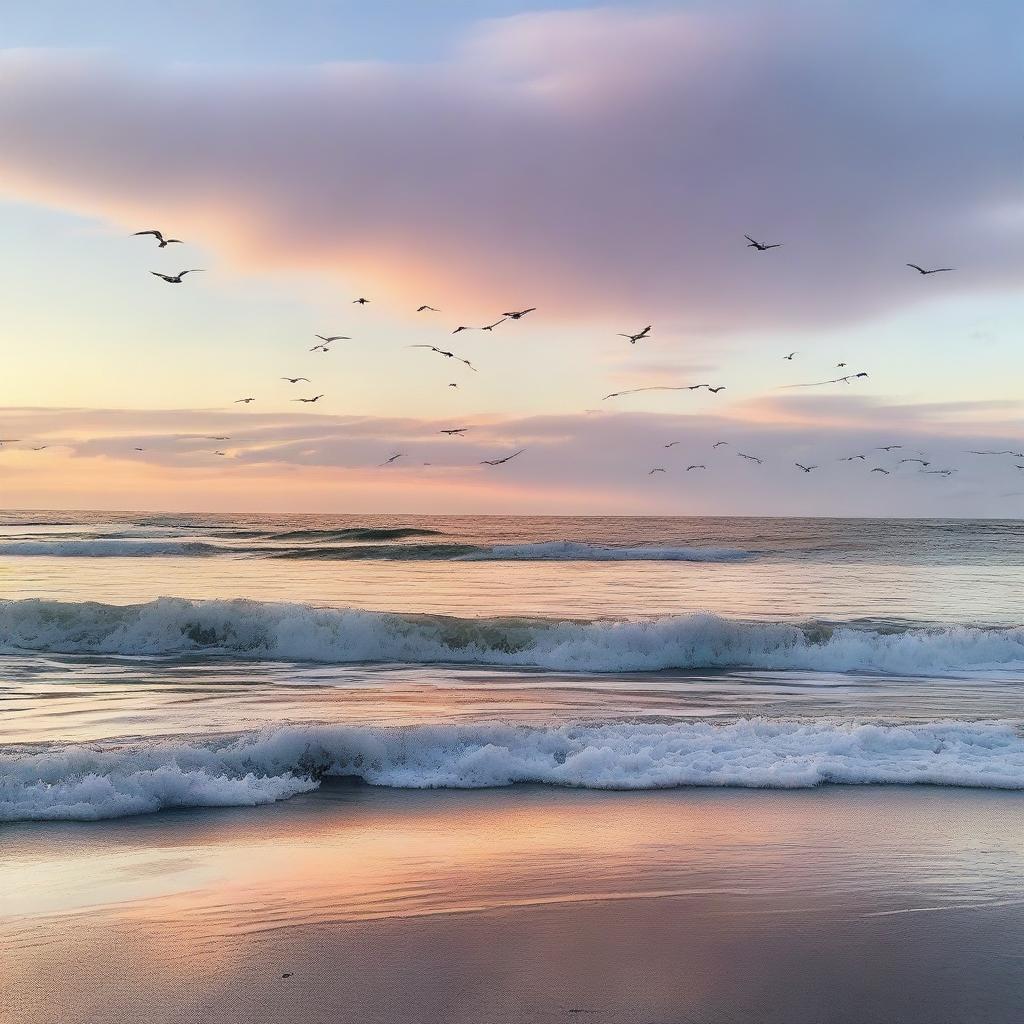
(761, 246)
(498, 462)
(422, 309)
(688, 468)
(333, 337)
(139, 449)
(1016, 455)
(447, 355)
(162, 242)
(453, 431)
(888, 447)
(672, 444)
(244, 401)
(324, 346)
(295, 380)
(820, 383)
(220, 453)
(879, 470)
(718, 444)
(851, 458)
(753, 458)
(922, 461)
(806, 469)
(519, 315)
(175, 278)
(939, 472)
(633, 391)
(397, 455)
(839, 366)
(361, 302)
(42, 446)
(490, 327)
(714, 391)
(790, 356)
(457, 329)
(453, 385)
(937, 270)
(634, 338)
(657, 469)
(315, 398)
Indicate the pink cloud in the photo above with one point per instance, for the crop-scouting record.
(593, 163)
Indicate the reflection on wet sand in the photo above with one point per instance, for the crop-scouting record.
(704, 904)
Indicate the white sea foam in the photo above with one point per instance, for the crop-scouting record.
(250, 629)
(570, 551)
(82, 783)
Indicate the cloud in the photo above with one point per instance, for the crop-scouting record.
(591, 162)
(572, 463)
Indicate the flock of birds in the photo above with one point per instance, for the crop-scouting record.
(325, 342)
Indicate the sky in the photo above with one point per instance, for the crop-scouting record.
(599, 163)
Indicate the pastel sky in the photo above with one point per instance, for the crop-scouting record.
(601, 163)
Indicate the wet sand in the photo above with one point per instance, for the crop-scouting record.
(846, 905)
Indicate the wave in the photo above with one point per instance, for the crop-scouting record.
(355, 533)
(570, 551)
(85, 784)
(112, 547)
(296, 632)
(364, 552)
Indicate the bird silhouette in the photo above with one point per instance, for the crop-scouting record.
(634, 338)
(507, 458)
(936, 270)
(175, 278)
(519, 314)
(162, 242)
(423, 309)
(447, 355)
(760, 246)
(295, 380)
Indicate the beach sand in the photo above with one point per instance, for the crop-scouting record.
(840, 904)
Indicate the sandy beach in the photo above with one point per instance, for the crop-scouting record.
(525, 904)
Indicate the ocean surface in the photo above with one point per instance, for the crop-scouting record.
(150, 662)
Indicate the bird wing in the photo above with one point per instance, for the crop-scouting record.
(920, 270)
(155, 233)
(157, 274)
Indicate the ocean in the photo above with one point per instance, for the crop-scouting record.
(157, 661)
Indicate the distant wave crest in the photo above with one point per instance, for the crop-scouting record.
(256, 630)
(85, 783)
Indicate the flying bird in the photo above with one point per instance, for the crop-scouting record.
(42, 446)
(633, 391)
(447, 355)
(718, 444)
(688, 468)
(821, 383)
(295, 380)
(634, 338)
(888, 447)
(422, 309)
(315, 398)
(922, 461)
(806, 469)
(453, 385)
(657, 469)
(520, 314)
(397, 455)
(161, 241)
(936, 270)
(851, 458)
(760, 246)
(457, 329)
(361, 302)
(498, 462)
(176, 278)
(672, 444)
(333, 337)
(878, 470)
(244, 401)
(454, 430)
(324, 346)
(790, 356)
(752, 458)
(939, 472)
(839, 366)
(220, 453)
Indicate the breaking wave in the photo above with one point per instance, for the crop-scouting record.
(569, 551)
(85, 783)
(296, 632)
(101, 547)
